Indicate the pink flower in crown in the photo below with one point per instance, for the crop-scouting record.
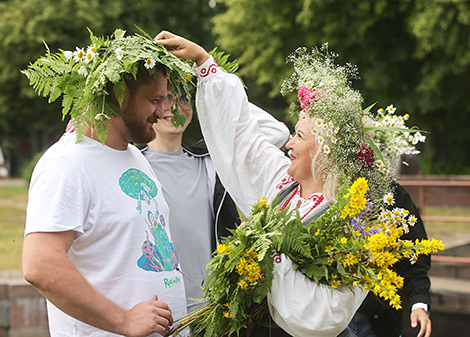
(307, 97)
(365, 156)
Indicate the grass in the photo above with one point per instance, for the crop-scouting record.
(14, 192)
(13, 215)
(12, 220)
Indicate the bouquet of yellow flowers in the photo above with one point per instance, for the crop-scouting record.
(239, 275)
(353, 243)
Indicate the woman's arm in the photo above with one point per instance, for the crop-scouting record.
(305, 308)
(248, 165)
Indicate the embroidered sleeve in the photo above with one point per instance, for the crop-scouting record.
(208, 68)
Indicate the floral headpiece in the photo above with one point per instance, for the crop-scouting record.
(353, 142)
(83, 75)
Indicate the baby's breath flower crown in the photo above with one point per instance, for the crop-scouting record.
(353, 142)
(82, 76)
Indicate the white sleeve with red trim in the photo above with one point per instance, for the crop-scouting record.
(249, 166)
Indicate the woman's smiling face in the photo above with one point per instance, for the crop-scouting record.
(302, 148)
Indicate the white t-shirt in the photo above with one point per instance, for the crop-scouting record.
(114, 202)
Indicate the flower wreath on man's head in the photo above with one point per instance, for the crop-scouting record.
(82, 77)
(352, 140)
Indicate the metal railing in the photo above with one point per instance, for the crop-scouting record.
(421, 184)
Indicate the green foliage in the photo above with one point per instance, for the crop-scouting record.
(27, 169)
(12, 214)
(82, 76)
(414, 54)
(26, 24)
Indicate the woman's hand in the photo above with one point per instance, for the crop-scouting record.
(182, 48)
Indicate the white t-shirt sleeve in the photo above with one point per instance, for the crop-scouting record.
(58, 197)
(303, 307)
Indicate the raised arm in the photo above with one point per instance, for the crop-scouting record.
(275, 131)
(248, 165)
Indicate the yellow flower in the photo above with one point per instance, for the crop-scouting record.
(395, 302)
(243, 284)
(241, 266)
(350, 260)
(223, 249)
(263, 203)
(344, 240)
(335, 284)
(356, 196)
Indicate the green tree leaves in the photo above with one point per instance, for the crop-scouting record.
(414, 54)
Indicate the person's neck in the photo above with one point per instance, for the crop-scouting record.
(113, 139)
(166, 143)
(309, 187)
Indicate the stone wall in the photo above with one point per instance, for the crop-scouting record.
(22, 310)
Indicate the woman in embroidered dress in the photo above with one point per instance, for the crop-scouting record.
(251, 167)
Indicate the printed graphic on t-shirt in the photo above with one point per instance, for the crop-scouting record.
(158, 253)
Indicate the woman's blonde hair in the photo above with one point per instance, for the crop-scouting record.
(321, 163)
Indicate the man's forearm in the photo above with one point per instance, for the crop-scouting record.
(49, 269)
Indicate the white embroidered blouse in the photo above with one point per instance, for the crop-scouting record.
(250, 167)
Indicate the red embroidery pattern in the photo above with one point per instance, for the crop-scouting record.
(315, 198)
(284, 182)
(211, 69)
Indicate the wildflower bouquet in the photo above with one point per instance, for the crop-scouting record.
(353, 243)
(239, 276)
(356, 243)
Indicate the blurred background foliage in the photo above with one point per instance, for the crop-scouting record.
(414, 54)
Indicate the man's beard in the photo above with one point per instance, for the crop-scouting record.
(139, 130)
